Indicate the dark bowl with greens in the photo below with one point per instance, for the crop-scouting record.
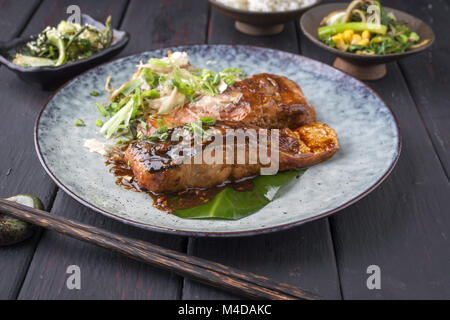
(58, 54)
(396, 35)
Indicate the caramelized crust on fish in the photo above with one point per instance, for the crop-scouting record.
(264, 100)
(161, 167)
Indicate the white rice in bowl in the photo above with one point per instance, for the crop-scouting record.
(267, 5)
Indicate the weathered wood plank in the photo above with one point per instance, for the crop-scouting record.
(13, 16)
(222, 31)
(159, 24)
(428, 74)
(16, 169)
(302, 256)
(402, 226)
(106, 274)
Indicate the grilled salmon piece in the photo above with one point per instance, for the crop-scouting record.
(264, 100)
(161, 166)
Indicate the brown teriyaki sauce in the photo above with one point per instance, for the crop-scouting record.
(169, 202)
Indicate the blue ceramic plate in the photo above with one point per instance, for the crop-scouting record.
(367, 129)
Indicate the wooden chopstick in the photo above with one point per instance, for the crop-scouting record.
(223, 277)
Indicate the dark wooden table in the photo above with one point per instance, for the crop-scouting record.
(403, 227)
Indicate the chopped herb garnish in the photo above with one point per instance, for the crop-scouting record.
(114, 107)
(208, 121)
(162, 133)
(152, 94)
(157, 88)
(216, 79)
(131, 86)
(229, 80)
(162, 129)
(196, 128)
(158, 62)
(155, 136)
(144, 124)
(95, 93)
(150, 77)
(183, 87)
(122, 117)
(99, 123)
(120, 141)
(80, 123)
(164, 136)
(102, 109)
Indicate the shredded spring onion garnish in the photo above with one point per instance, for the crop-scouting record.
(197, 127)
(158, 87)
(80, 123)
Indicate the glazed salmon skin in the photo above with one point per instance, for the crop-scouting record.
(158, 166)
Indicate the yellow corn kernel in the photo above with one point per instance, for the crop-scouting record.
(356, 39)
(341, 45)
(337, 38)
(366, 34)
(364, 42)
(348, 35)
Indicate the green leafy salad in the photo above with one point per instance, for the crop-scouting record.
(67, 42)
(158, 87)
(365, 28)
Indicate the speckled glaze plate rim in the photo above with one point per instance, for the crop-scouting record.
(258, 231)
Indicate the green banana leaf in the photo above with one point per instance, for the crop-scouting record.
(230, 204)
